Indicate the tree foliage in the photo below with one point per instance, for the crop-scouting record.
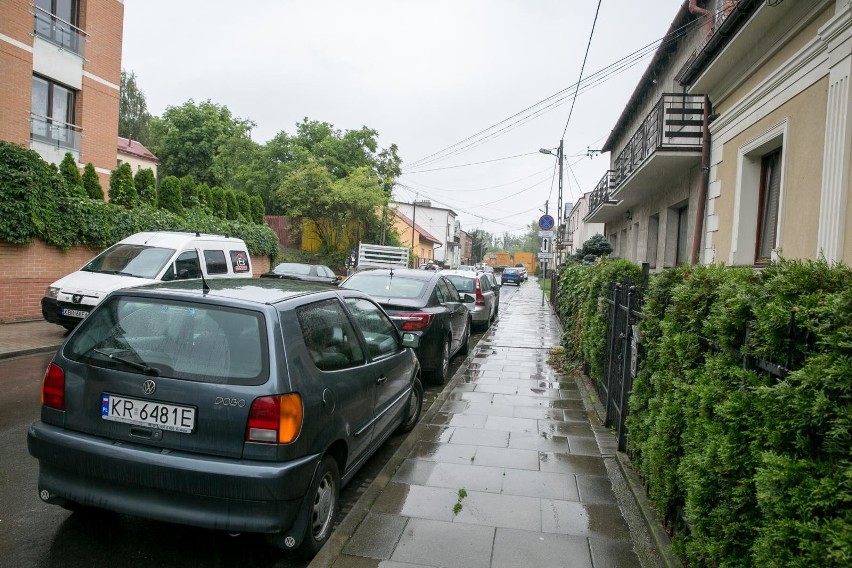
(133, 117)
(146, 186)
(170, 195)
(71, 174)
(596, 245)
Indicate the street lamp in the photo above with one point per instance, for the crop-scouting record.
(560, 156)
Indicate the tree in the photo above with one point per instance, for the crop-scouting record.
(71, 174)
(146, 186)
(596, 245)
(133, 116)
(218, 203)
(122, 190)
(92, 183)
(189, 192)
(257, 211)
(170, 195)
(204, 196)
(232, 206)
(244, 205)
(188, 138)
(480, 243)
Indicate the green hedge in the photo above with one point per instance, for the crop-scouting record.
(36, 203)
(751, 470)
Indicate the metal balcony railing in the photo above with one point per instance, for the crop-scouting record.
(52, 131)
(602, 192)
(59, 32)
(673, 124)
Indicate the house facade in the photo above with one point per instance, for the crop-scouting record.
(577, 230)
(61, 66)
(735, 146)
(138, 156)
(439, 222)
(421, 242)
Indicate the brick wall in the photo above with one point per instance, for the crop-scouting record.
(97, 105)
(16, 69)
(29, 269)
(103, 21)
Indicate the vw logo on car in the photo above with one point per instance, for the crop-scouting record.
(149, 386)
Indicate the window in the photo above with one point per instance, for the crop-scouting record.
(52, 113)
(682, 238)
(215, 261)
(187, 266)
(449, 291)
(57, 21)
(770, 194)
(379, 332)
(329, 336)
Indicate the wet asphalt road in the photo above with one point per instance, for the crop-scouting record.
(33, 534)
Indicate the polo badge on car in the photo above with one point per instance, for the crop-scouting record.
(77, 298)
(149, 386)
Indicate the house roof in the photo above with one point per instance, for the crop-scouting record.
(133, 148)
(668, 46)
(424, 234)
(421, 206)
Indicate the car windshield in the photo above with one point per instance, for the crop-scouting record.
(463, 283)
(180, 340)
(131, 260)
(386, 286)
(292, 268)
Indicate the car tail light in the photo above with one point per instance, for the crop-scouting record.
(480, 299)
(413, 321)
(53, 387)
(275, 419)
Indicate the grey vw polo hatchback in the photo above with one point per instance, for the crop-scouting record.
(242, 406)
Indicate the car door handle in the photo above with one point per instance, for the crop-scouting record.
(381, 380)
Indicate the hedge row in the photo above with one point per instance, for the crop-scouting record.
(37, 202)
(753, 469)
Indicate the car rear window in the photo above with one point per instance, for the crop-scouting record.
(510, 271)
(182, 340)
(463, 283)
(292, 268)
(385, 286)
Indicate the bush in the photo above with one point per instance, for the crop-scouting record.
(146, 187)
(232, 206)
(122, 190)
(92, 183)
(189, 191)
(258, 212)
(71, 174)
(218, 203)
(170, 196)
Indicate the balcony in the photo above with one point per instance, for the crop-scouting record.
(55, 132)
(665, 146)
(59, 32)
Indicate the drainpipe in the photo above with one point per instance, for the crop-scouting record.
(693, 7)
(702, 185)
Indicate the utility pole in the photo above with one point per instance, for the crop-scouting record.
(413, 219)
(560, 159)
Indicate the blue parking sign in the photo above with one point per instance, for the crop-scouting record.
(546, 222)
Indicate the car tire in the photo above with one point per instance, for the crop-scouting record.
(325, 505)
(413, 408)
(440, 374)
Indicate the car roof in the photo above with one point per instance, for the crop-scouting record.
(464, 273)
(402, 273)
(242, 290)
(174, 239)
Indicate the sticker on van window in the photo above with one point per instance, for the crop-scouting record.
(239, 260)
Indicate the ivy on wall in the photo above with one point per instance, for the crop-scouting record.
(37, 203)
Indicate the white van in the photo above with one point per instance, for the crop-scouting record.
(142, 259)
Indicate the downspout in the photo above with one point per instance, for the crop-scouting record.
(693, 7)
(703, 183)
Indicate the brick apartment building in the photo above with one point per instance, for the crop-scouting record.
(60, 64)
(60, 61)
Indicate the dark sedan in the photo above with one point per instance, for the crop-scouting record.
(512, 275)
(426, 303)
(300, 271)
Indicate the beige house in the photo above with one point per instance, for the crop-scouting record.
(735, 146)
(138, 156)
(421, 242)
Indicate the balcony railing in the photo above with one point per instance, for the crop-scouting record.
(602, 192)
(56, 132)
(673, 124)
(59, 32)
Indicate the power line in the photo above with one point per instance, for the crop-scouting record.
(466, 190)
(473, 163)
(583, 66)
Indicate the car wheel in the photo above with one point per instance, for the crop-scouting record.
(464, 349)
(413, 408)
(444, 366)
(324, 505)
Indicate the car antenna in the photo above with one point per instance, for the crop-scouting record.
(204, 287)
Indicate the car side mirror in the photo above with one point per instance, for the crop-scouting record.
(468, 298)
(410, 340)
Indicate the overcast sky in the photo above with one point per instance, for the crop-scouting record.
(426, 74)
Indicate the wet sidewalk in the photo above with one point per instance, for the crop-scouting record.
(29, 337)
(508, 468)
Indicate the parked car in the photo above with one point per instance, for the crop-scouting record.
(466, 268)
(495, 286)
(242, 407)
(511, 275)
(426, 303)
(306, 272)
(484, 309)
(142, 259)
(523, 270)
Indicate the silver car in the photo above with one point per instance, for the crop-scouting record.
(484, 310)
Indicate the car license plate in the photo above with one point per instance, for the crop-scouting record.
(148, 413)
(73, 313)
